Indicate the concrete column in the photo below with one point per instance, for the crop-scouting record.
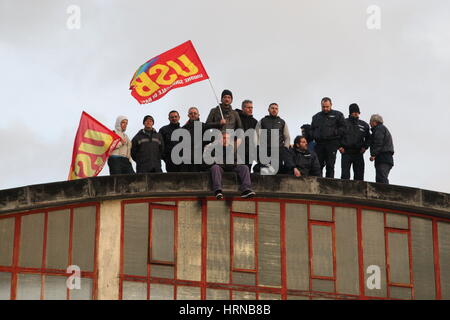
(109, 250)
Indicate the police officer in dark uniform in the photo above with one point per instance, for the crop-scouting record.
(147, 148)
(166, 132)
(302, 162)
(354, 143)
(327, 129)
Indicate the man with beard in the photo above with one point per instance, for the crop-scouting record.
(166, 132)
(233, 121)
(302, 162)
(355, 141)
(194, 117)
(327, 128)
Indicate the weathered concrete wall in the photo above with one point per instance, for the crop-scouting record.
(198, 184)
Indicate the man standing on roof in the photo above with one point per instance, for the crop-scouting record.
(233, 121)
(166, 132)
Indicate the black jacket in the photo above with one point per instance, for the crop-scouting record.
(381, 145)
(306, 162)
(248, 122)
(147, 148)
(270, 122)
(356, 135)
(328, 127)
(189, 126)
(166, 133)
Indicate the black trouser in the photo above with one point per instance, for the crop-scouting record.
(357, 159)
(147, 168)
(382, 172)
(119, 165)
(326, 152)
(170, 166)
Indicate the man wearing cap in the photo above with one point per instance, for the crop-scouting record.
(119, 159)
(233, 121)
(355, 141)
(327, 128)
(381, 149)
(166, 132)
(147, 148)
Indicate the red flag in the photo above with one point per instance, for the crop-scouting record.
(93, 144)
(172, 69)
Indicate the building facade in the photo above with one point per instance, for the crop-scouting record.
(162, 236)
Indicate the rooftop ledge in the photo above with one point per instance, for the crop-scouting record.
(198, 185)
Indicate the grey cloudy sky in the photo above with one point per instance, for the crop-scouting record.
(290, 52)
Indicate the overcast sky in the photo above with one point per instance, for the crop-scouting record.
(290, 52)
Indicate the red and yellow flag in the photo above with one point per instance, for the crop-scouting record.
(172, 69)
(93, 144)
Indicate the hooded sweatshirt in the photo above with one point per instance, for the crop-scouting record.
(123, 148)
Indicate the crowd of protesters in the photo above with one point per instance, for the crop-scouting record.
(311, 152)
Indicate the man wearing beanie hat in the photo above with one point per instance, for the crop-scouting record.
(147, 148)
(230, 119)
(355, 141)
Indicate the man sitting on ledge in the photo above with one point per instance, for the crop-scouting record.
(303, 163)
(220, 166)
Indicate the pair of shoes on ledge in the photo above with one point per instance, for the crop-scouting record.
(246, 194)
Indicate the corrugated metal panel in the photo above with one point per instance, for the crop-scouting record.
(321, 213)
(136, 239)
(244, 206)
(323, 285)
(55, 288)
(322, 250)
(85, 292)
(58, 239)
(244, 278)
(243, 243)
(347, 268)
(217, 294)
(398, 258)
(28, 287)
(6, 241)
(188, 293)
(398, 221)
(444, 258)
(83, 243)
(374, 249)
(400, 293)
(269, 296)
(218, 249)
(134, 290)
(163, 235)
(297, 257)
(189, 240)
(5, 285)
(244, 295)
(161, 291)
(31, 240)
(269, 259)
(423, 259)
(160, 271)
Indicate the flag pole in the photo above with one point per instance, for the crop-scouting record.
(217, 98)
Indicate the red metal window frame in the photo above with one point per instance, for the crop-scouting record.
(15, 269)
(284, 291)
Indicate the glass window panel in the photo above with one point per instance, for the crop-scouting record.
(163, 235)
(217, 294)
(161, 291)
(188, 293)
(398, 258)
(322, 285)
(269, 296)
(83, 243)
(85, 291)
(244, 243)
(134, 290)
(400, 293)
(244, 206)
(5, 286)
(244, 278)
(321, 213)
(55, 288)
(322, 251)
(161, 271)
(244, 295)
(58, 239)
(29, 287)
(396, 221)
(31, 240)
(136, 239)
(6, 241)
